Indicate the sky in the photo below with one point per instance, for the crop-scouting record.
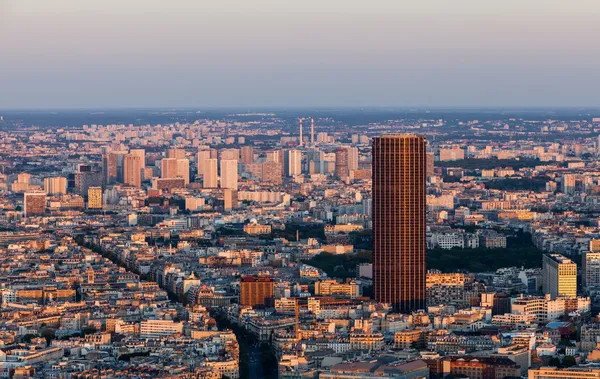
(299, 53)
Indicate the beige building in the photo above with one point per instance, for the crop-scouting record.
(95, 198)
(55, 185)
(568, 373)
(332, 287)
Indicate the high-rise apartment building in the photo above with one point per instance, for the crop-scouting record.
(399, 181)
(55, 185)
(352, 158)
(203, 155)
(256, 291)
(293, 162)
(109, 168)
(271, 172)
(590, 270)
(94, 197)
(210, 173)
(230, 199)
(230, 154)
(132, 170)
(168, 168)
(176, 153)
(559, 276)
(229, 173)
(247, 154)
(183, 170)
(34, 203)
(341, 163)
(142, 154)
(569, 183)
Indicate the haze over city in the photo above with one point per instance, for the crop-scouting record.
(267, 53)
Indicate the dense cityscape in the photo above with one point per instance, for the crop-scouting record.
(321, 244)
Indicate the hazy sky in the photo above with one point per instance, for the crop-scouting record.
(207, 53)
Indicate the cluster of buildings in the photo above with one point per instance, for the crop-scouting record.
(244, 247)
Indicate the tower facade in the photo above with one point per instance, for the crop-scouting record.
(399, 244)
(132, 169)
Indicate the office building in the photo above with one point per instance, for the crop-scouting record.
(210, 173)
(132, 170)
(94, 197)
(559, 276)
(55, 186)
(229, 174)
(256, 291)
(399, 244)
(34, 203)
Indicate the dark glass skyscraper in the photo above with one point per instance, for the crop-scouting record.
(399, 179)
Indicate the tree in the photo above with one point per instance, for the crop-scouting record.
(554, 362)
(48, 334)
(569, 361)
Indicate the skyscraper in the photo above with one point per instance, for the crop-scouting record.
(399, 221)
(132, 170)
(229, 173)
(210, 173)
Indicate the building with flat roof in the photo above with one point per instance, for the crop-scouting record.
(559, 276)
